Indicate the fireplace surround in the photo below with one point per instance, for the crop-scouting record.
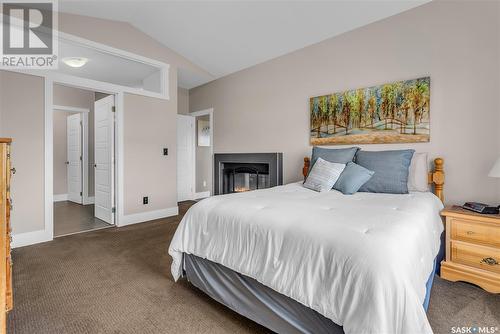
(238, 172)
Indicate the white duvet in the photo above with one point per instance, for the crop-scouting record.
(361, 260)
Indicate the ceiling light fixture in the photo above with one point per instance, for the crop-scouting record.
(75, 61)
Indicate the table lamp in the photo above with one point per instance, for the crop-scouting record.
(495, 171)
(485, 208)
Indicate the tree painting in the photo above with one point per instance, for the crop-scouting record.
(396, 112)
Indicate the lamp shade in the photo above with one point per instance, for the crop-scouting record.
(495, 171)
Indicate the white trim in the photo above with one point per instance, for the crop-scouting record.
(149, 215)
(70, 109)
(104, 86)
(210, 113)
(119, 159)
(203, 194)
(30, 238)
(60, 197)
(48, 233)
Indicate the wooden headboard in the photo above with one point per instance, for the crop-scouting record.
(435, 177)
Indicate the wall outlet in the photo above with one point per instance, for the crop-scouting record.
(204, 183)
(165, 151)
(145, 200)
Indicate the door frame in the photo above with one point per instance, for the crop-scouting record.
(210, 113)
(85, 152)
(47, 234)
(49, 77)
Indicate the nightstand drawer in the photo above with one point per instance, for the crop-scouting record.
(485, 258)
(475, 232)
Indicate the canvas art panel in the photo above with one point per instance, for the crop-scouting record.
(203, 132)
(397, 112)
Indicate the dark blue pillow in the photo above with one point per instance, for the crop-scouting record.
(337, 155)
(391, 170)
(352, 178)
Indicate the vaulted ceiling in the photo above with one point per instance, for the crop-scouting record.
(223, 37)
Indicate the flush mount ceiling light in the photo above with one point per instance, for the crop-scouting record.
(75, 61)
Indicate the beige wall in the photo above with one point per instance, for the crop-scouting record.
(182, 101)
(203, 162)
(71, 97)
(265, 108)
(22, 118)
(149, 127)
(141, 114)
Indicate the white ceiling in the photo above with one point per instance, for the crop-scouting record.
(223, 37)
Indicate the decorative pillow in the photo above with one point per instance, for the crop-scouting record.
(337, 155)
(391, 170)
(352, 178)
(417, 176)
(323, 175)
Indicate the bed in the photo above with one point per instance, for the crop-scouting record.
(298, 261)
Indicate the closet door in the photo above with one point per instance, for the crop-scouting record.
(104, 158)
(74, 156)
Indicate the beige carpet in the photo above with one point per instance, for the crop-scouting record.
(118, 281)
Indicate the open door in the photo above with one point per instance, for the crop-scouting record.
(104, 158)
(185, 157)
(74, 156)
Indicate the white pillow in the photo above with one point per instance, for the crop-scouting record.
(323, 175)
(417, 175)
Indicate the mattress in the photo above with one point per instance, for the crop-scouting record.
(361, 261)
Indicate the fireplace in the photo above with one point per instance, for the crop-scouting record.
(239, 172)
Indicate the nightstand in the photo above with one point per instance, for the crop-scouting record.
(472, 248)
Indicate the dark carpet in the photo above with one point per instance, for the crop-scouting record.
(118, 280)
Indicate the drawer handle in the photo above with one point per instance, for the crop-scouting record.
(489, 261)
(470, 232)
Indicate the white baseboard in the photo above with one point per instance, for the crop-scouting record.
(203, 194)
(60, 197)
(30, 238)
(88, 200)
(149, 215)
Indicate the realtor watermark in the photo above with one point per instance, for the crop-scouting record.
(28, 36)
(474, 329)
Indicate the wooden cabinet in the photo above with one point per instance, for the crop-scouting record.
(472, 248)
(5, 229)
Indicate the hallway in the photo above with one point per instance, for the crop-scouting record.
(70, 218)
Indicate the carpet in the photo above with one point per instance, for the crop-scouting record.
(118, 280)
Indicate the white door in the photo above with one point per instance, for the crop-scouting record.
(104, 158)
(74, 157)
(185, 157)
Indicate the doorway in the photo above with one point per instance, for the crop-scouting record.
(83, 160)
(195, 155)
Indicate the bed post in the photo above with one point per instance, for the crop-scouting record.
(437, 178)
(305, 169)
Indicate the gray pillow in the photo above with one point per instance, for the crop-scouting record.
(352, 178)
(391, 170)
(323, 175)
(337, 155)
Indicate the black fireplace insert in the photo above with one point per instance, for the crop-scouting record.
(239, 172)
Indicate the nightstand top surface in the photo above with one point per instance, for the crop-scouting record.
(458, 212)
